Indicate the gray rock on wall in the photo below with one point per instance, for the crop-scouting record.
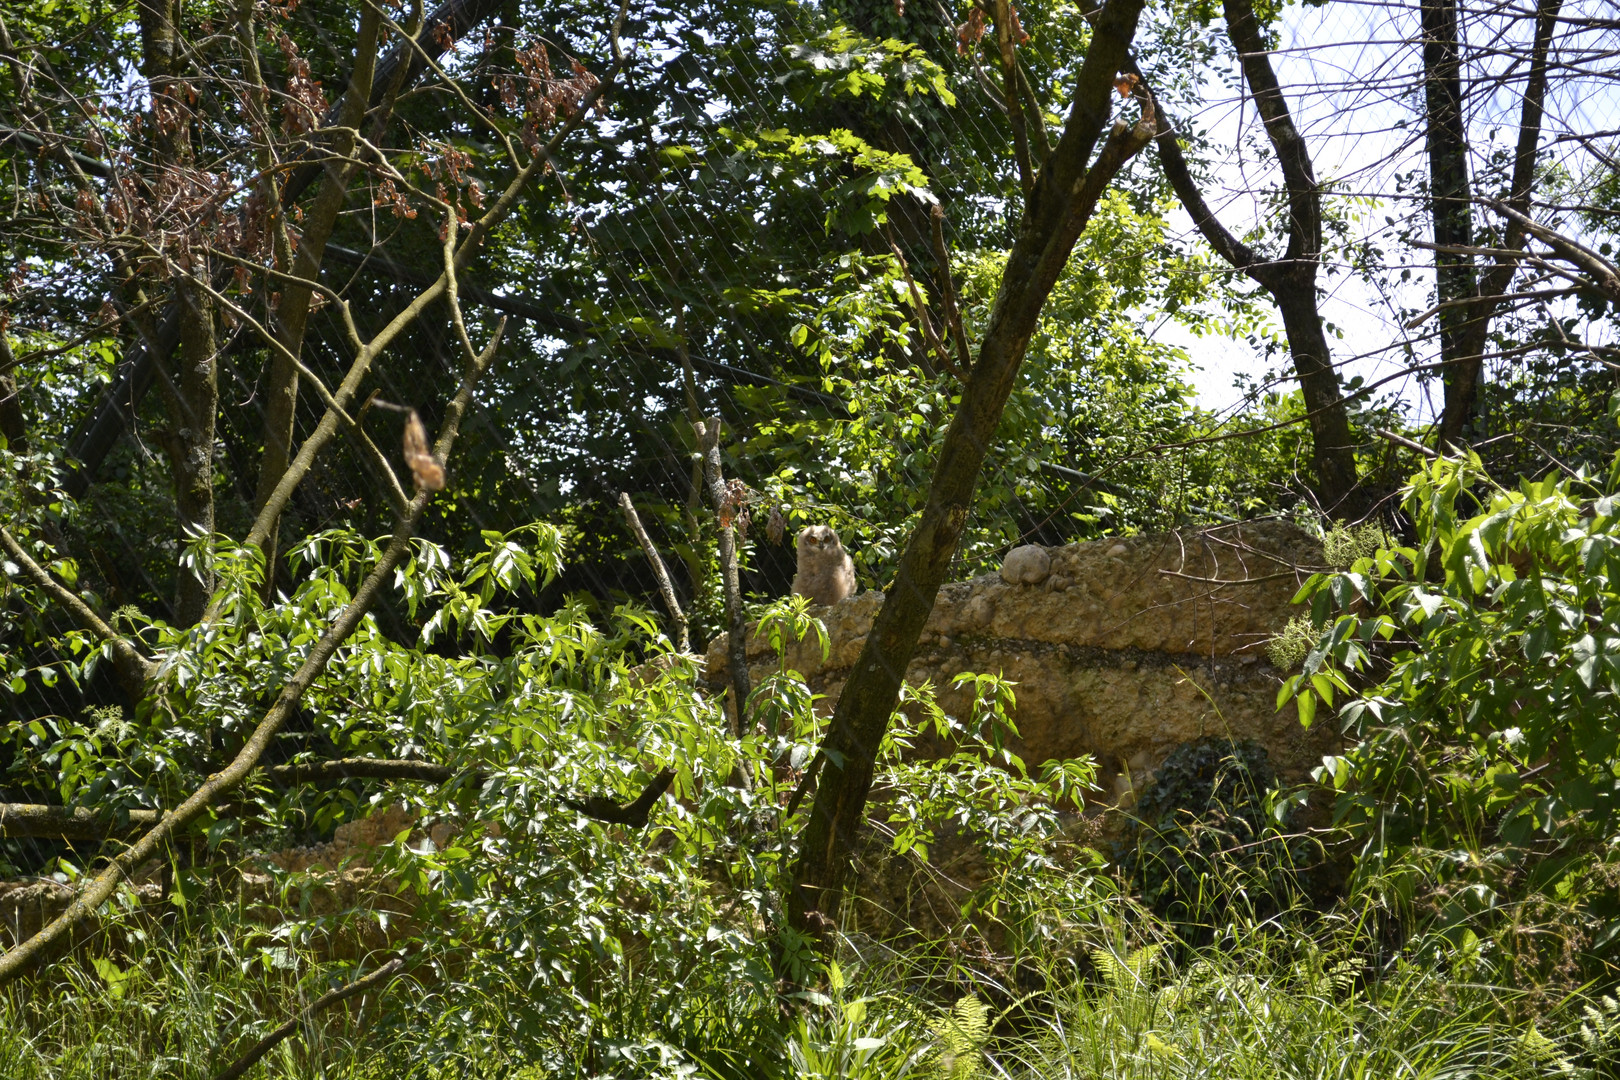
(1027, 565)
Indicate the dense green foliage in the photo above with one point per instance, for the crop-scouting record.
(1481, 682)
(1212, 831)
(591, 852)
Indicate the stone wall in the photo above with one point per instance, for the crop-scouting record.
(1121, 649)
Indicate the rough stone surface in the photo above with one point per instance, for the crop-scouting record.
(1027, 565)
(1126, 649)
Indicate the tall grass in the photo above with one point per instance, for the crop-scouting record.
(178, 1006)
(1273, 1005)
(1318, 998)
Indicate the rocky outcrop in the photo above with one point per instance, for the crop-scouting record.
(1121, 649)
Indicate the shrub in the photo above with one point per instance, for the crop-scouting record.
(1208, 833)
(1480, 669)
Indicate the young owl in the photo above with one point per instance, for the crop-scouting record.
(825, 574)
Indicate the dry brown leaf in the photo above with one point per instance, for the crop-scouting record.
(425, 467)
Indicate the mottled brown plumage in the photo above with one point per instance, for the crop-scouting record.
(826, 574)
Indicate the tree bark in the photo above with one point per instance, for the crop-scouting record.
(1063, 197)
(1291, 279)
(1335, 461)
(292, 315)
(13, 427)
(193, 409)
(1446, 140)
(1467, 372)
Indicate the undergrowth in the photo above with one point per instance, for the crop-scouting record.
(1115, 995)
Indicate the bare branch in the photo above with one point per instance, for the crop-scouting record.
(241, 1065)
(1015, 113)
(1604, 275)
(633, 814)
(660, 572)
(708, 441)
(947, 288)
(134, 669)
(72, 822)
(923, 321)
(1402, 440)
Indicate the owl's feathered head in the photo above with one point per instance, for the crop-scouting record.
(819, 538)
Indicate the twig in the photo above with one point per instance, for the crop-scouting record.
(242, 1064)
(341, 769)
(133, 669)
(1469, 301)
(1015, 113)
(660, 571)
(1227, 581)
(696, 574)
(1402, 440)
(805, 781)
(1607, 277)
(542, 161)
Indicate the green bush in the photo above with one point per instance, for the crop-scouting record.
(1209, 833)
(1479, 670)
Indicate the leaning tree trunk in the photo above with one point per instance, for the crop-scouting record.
(1061, 203)
(1334, 445)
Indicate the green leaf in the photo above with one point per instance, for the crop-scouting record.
(1307, 708)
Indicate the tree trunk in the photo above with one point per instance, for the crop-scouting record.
(194, 404)
(1292, 281)
(1333, 444)
(1475, 329)
(1447, 143)
(292, 314)
(12, 425)
(191, 392)
(1064, 196)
